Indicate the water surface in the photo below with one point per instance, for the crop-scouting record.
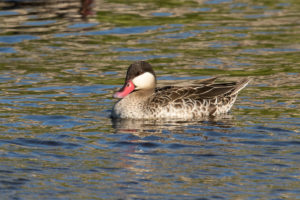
(61, 61)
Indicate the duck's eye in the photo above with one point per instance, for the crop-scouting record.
(128, 85)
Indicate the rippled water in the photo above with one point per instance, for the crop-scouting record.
(61, 61)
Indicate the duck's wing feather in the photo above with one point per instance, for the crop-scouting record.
(165, 95)
(206, 81)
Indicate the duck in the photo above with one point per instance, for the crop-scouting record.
(141, 99)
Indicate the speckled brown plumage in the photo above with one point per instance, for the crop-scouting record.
(212, 98)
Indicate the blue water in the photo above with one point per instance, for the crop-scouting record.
(61, 63)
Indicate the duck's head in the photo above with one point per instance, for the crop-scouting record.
(140, 76)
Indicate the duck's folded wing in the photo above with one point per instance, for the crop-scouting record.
(166, 95)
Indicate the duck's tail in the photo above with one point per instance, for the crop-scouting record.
(240, 85)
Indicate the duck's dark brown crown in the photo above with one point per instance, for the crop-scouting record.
(138, 68)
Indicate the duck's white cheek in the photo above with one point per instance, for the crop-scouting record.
(145, 80)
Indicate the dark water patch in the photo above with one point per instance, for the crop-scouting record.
(278, 165)
(149, 144)
(288, 178)
(204, 155)
(260, 156)
(285, 192)
(13, 183)
(179, 146)
(124, 143)
(6, 172)
(41, 143)
(129, 183)
(217, 197)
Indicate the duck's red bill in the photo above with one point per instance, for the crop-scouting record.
(127, 88)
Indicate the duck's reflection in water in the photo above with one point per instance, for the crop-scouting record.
(159, 127)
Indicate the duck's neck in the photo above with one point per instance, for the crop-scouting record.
(143, 94)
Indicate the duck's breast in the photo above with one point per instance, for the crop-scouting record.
(128, 107)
